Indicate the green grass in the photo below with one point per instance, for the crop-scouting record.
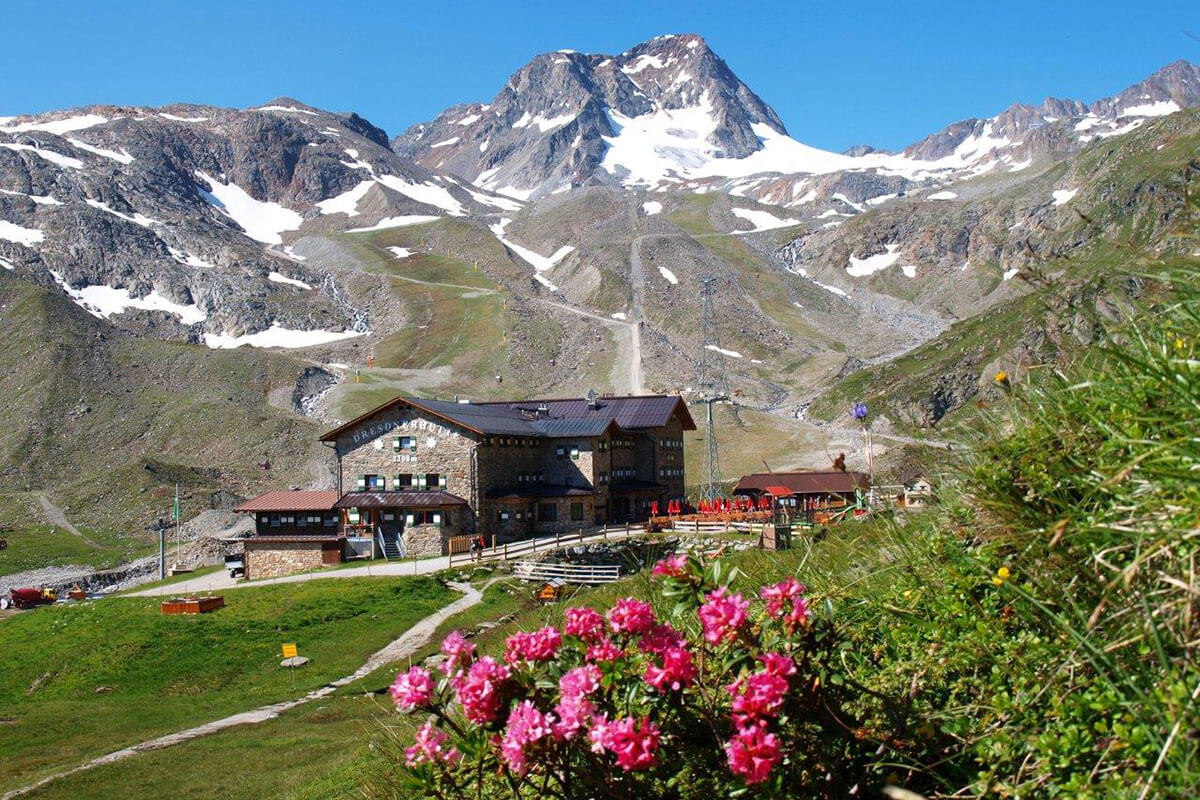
(108, 436)
(168, 672)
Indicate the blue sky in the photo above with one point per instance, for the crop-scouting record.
(838, 73)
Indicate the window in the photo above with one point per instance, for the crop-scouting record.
(371, 483)
(353, 516)
(331, 520)
(548, 512)
(576, 512)
(402, 482)
(302, 521)
(574, 452)
(405, 443)
(602, 445)
(530, 477)
(501, 515)
(431, 480)
(274, 520)
(603, 476)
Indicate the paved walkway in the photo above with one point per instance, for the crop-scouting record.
(219, 581)
(406, 645)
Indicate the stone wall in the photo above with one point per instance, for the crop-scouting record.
(273, 559)
(425, 540)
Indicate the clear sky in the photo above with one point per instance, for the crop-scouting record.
(838, 73)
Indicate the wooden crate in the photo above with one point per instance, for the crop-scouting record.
(192, 605)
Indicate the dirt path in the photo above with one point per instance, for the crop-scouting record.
(406, 645)
(58, 518)
(637, 288)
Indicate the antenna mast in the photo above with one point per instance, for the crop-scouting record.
(712, 384)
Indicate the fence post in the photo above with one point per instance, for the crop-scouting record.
(557, 539)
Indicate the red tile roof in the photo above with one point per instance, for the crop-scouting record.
(812, 482)
(291, 501)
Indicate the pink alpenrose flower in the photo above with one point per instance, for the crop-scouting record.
(753, 753)
(722, 615)
(430, 748)
(412, 689)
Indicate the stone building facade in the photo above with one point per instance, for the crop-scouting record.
(519, 468)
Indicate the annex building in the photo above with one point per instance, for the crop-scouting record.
(414, 473)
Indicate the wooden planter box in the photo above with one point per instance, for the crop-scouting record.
(192, 605)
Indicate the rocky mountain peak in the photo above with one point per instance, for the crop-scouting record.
(550, 125)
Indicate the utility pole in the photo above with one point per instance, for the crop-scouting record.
(712, 384)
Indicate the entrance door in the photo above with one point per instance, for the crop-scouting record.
(620, 509)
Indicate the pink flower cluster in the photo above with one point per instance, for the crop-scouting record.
(481, 690)
(604, 651)
(540, 645)
(430, 748)
(786, 601)
(753, 753)
(630, 616)
(584, 622)
(758, 696)
(412, 689)
(673, 566)
(722, 615)
(458, 653)
(661, 638)
(526, 725)
(574, 708)
(677, 671)
(634, 742)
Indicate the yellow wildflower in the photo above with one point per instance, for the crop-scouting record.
(1178, 343)
(1001, 576)
(1002, 378)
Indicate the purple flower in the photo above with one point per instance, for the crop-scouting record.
(859, 411)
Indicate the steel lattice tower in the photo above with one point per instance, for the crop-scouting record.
(712, 385)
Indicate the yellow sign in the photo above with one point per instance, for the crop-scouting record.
(289, 651)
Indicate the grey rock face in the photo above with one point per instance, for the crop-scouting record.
(130, 200)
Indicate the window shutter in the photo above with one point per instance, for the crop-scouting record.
(362, 482)
(396, 443)
(412, 444)
(437, 518)
(422, 482)
(442, 481)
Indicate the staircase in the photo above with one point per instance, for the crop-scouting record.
(389, 542)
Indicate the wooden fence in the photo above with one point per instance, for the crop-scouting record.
(524, 548)
(567, 573)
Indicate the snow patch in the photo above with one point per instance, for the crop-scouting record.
(861, 267)
(942, 195)
(619, 315)
(190, 260)
(50, 155)
(444, 143)
(652, 207)
(762, 220)
(1160, 109)
(11, 232)
(286, 109)
(909, 270)
(346, 202)
(723, 351)
(165, 115)
(428, 193)
(1062, 196)
(544, 124)
(670, 276)
(470, 119)
(276, 277)
(400, 252)
(137, 218)
(261, 220)
(538, 262)
(121, 157)
(59, 126)
(105, 301)
(277, 336)
(833, 289)
(395, 222)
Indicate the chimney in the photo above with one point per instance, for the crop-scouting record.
(543, 410)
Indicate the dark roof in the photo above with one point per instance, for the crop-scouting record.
(573, 417)
(542, 490)
(292, 539)
(399, 499)
(813, 482)
(291, 501)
